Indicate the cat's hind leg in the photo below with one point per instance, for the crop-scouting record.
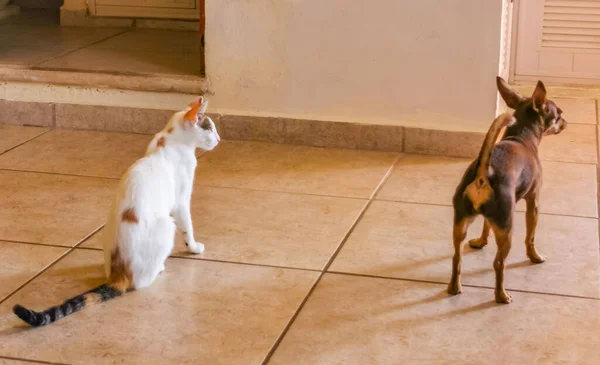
(160, 238)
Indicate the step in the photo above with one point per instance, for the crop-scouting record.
(136, 111)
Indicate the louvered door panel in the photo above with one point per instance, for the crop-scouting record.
(559, 39)
(571, 24)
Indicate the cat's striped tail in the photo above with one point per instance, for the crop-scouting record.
(99, 294)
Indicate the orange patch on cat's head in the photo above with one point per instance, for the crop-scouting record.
(161, 142)
(197, 102)
(170, 130)
(191, 117)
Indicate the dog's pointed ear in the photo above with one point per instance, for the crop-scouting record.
(539, 95)
(510, 97)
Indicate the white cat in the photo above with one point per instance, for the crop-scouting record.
(153, 199)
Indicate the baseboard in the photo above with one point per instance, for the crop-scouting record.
(247, 128)
(81, 18)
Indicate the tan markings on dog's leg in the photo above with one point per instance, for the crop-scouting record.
(482, 241)
(531, 220)
(161, 142)
(458, 235)
(504, 242)
(129, 216)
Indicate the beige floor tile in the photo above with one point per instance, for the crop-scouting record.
(424, 179)
(577, 143)
(354, 320)
(414, 241)
(267, 228)
(15, 362)
(52, 209)
(140, 51)
(577, 110)
(21, 261)
(295, 169)
(31, 44)
(196, 312)
(568, 189)
(12, 135)
(102, 154)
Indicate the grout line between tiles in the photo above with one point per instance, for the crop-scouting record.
(36, 275)
(36, 243)
(22, 143)
(403, 143)
(90, 235)
(32, 361)
(80, 48)
(597, 166)
(450, 205)
(241, 263)
(79, 247)
(58, 174)
(280, 192)
(329, 262)
(53, 106)
(47, 267)
(464, 285)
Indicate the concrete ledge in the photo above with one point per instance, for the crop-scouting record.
(26, 113)
(245, 128)
(196, 85)
(81, 18)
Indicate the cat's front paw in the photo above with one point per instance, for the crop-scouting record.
(195, 247)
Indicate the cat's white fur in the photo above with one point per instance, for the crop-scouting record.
(157, 189)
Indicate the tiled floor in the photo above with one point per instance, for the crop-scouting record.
(36, 40)
(313, 256)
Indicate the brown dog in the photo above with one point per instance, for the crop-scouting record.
(502, 174)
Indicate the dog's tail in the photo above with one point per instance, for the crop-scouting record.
(480, 190)
(99, 294)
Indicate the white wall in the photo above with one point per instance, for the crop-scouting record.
(423, 62)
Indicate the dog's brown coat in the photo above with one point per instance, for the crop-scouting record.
(491, 187)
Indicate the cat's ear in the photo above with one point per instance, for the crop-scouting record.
(196, 112)
(202, 101)
(191, 117)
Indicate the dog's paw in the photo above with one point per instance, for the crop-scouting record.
(454, 288)
(536, 258)
(478, 242)
(503, 297)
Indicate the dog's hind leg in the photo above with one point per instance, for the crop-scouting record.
(482, 241)
(504, 242)
(461, 225)
(531, 221)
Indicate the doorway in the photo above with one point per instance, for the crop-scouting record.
(557, 40)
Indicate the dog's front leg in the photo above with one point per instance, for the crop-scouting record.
(504, 242)
(531, 222)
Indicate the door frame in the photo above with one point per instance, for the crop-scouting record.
(526, 79)
(514, 33)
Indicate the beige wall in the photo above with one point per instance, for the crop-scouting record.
(425, 62)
